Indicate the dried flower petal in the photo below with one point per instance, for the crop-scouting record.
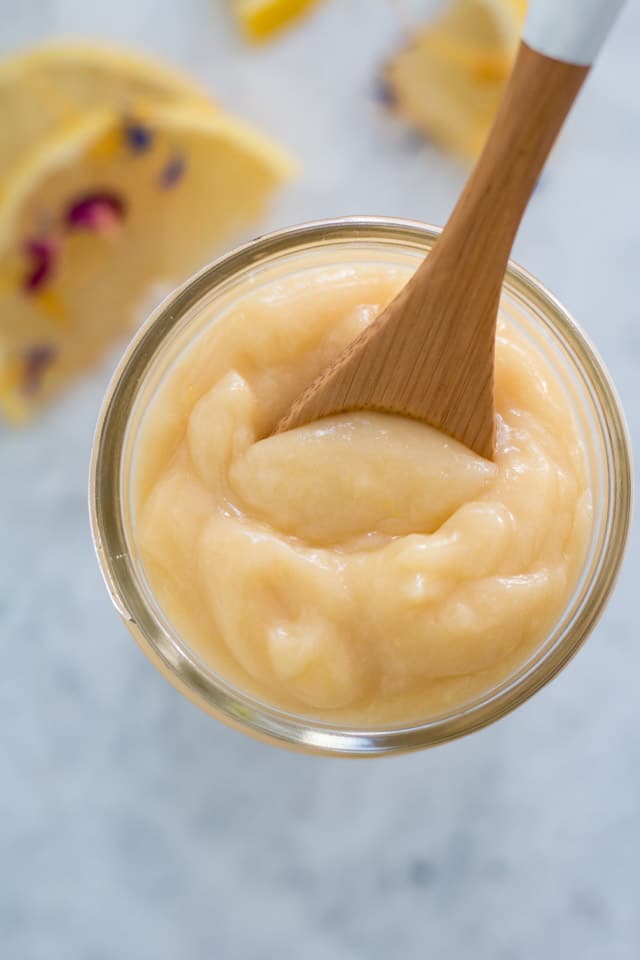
(99, 211)
(384, 93)
(173, 172)
(35, 363)
(138, 137)
(42, 254)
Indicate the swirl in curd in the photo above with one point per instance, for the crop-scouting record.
(364, 567)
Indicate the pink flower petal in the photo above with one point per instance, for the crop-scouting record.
(99, 211)
(42, 255)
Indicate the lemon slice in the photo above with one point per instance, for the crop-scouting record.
(479, 35)
(50, 86)
(449, 80)
(88, 224)
(261, 18)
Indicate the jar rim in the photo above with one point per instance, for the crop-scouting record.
(211, 691)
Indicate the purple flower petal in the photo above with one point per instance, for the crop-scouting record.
(384, 93)
(138, 138)
(173, 172)
(42, 255)
(36, 361)
(99, 211)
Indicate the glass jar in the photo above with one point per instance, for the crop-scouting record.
(194, 306)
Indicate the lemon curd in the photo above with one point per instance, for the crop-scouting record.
(364, 568)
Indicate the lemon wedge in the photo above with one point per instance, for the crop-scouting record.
(449, 79)
(102, 210)
(50, 86)
(260, 19)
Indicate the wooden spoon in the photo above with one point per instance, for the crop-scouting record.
(430, 354)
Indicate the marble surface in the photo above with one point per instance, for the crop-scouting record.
(133, 826)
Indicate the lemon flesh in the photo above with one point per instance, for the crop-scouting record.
(260, 19)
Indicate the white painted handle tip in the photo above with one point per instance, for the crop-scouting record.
(570, 30)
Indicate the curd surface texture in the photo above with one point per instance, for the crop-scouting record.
(364, 567)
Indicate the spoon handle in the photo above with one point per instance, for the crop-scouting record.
(473, 251)
(430, 353)
(560, 41)
(569, 30)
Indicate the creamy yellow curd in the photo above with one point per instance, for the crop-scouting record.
(365, 567)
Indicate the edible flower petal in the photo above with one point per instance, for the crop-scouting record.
(36, 361)
(99, 211)
(42, 256)
(173, 172)
(138, 137)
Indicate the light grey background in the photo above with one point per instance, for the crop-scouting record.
(131, 825)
